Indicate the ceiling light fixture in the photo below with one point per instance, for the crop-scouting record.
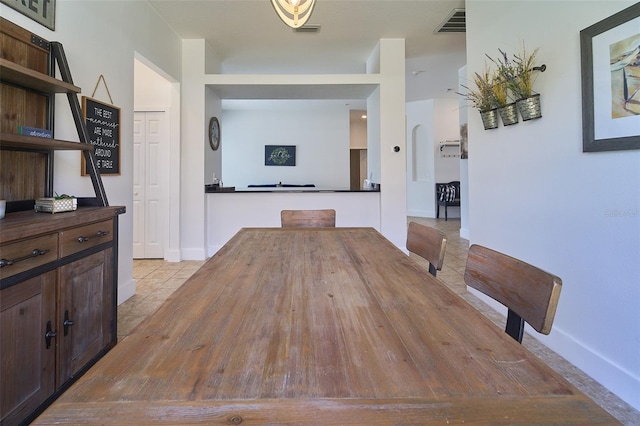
(294, 13)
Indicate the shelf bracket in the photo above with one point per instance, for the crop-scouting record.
(58, 53)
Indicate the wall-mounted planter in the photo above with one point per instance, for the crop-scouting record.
(508, 114)
(529, 107)
(489, 119)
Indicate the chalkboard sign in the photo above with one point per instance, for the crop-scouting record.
(103, 129)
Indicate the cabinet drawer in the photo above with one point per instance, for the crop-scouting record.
(26, 254)
(84, 237)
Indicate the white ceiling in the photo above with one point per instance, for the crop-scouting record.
(249, 38)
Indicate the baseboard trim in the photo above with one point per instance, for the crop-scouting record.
(193, 254)
(211, 250)
(126, 291)
(420, 213)
(464, 233)
(604, 371)
(172, 256)
(620, 382)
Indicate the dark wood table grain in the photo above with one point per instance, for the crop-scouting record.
(319, 326)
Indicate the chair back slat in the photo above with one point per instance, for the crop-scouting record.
(428, 243)
(308, 218)
(526, 290)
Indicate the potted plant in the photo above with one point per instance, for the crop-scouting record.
(519, 75)
(482, 98)
(506, 108)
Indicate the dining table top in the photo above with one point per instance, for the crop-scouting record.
(319, 326)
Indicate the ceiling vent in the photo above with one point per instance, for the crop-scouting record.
(456, 22)
(307, 29)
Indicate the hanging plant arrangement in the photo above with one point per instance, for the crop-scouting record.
(506, 90)
(519, 75)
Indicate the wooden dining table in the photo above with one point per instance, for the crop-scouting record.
(327, 326)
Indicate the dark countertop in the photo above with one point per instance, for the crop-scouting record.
(209, 189)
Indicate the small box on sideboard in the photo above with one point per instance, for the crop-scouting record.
(54, 205)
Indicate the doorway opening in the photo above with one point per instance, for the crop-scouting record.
(156, 164)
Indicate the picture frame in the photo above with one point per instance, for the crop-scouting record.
(279, 155)
(611, 83)
(102, 121)
(42, 12)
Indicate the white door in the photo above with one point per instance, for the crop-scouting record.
(150, 158)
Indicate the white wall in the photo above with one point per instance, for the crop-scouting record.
(81, 27)
(357, 129)
(420, 159)
(318, 128)
(535, 195)
(393, 141)
(194, 142)
(464, 162)
(213, 159)
(446, 127)
(430, 122)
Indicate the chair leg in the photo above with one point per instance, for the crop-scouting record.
(515, 326)
(437, 209)
(446, 215)
(432, 270)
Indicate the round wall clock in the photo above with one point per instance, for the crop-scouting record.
(214, 133)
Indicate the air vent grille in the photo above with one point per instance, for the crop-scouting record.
(456, 22)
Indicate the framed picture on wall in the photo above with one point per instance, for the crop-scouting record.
(610, 55)
(280, 155)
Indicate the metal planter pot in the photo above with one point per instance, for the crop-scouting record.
(489, 119)
(529, 107)
(508, 114)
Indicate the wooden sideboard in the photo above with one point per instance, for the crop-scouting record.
(58, 302)
(58, 272)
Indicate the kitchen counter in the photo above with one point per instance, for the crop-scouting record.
(211, 189)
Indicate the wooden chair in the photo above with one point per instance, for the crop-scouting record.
(529, 293)
(428, 243)
(308, 218)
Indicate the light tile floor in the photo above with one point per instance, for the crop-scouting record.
(156, 280)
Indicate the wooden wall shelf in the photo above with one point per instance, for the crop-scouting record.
(9, 140)
(13, 73)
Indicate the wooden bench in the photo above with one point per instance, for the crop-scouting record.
(447, 195)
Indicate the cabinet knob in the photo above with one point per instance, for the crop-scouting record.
(67, 322)
(49, 334)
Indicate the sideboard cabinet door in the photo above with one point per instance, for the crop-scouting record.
(84, 315)
(27, 365)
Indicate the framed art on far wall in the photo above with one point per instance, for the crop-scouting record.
(279, 155)
(610, 56)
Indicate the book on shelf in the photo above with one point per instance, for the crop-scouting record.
(34, 131)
